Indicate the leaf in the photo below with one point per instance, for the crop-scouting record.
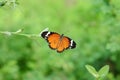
(3, 3)
(104, 71)
(92, 71)
(18, 31)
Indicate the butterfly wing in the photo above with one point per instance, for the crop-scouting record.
(57, 41)
(53, 40)
(63, 44)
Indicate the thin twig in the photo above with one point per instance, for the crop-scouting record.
(18, 32)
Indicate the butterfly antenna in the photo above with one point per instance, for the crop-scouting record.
(46, 29)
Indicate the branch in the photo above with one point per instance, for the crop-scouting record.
(18, 32)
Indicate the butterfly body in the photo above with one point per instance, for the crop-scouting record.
(58, 42)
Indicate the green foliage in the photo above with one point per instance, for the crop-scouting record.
(101, 74)
(92, 71)
(103, 71)
(2, 3)
(93, 24)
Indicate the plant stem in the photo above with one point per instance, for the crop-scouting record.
(18, 33)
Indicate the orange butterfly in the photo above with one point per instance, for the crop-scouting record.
(58, 42)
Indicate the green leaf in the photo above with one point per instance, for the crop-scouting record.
(3, 3)
(104, 71)
(92, 71)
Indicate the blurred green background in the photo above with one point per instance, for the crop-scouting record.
(93, 24)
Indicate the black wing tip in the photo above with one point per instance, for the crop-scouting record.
(73, 45)
(43, 34)
(46, 34)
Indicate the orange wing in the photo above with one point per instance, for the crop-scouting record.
(57, 42)
(63, 44)
(53, 40)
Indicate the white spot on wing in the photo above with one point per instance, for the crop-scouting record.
(46, 29)
(47, 35)
(71, 43)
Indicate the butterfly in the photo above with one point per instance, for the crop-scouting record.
(58, 42)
